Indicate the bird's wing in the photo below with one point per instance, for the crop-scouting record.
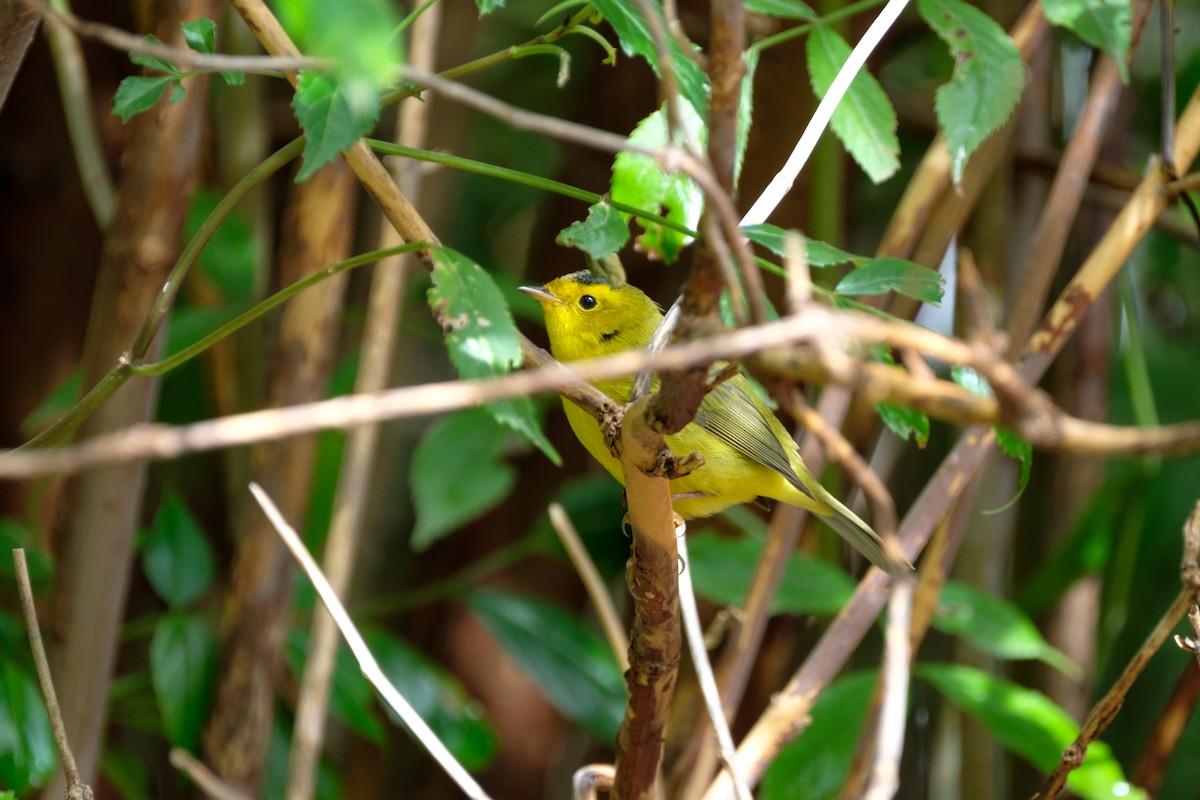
(729, 413)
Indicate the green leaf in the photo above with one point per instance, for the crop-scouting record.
(154, 62)
(1022, 451)
(488, 6)
(988, 76)
(633, 31)
(970, 380)
(200, 34)
(438, 698)
(458, 473)
(882, 275)
(1032, 726)
(722, 568)
(354, 34)
(128, 773)
(1106, 24)
(481, 337)
(176, 556)
(15, 534)
(996, 627)
(818, 253)
(864, 120)
(27, 755)
(230, 258)
(570, 664)
(814, 766)
(136, 94)
(183, 664)
(745, 112)
(603, 233)
(784, 9)
(233, 77)
(638, 181)
(333, 114)
(593, 504)
(905, 422)
(351, 697)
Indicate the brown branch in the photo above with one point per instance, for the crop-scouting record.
(1168, 729)
(1106, 710)
(653, 582)
(204, 778)
(76, 788)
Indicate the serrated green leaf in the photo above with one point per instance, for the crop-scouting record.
(136, 94)
(27, 755)
(784, 9)
(438, 697)
(745, 112)
(864, 120)
(1021, 451)
(1106, 24)
(633, 32)
(333, 115)
(458, 473)
(905, 422)
(351, 697)
(1032, 726)
(154, 62)
(200, 34)
(814, 766)
(13, 535)
(354, 34)
(183, 664)
(603, 233)
(571, 666)
(883, 275)
(481, 337)
(638, 181)
(989, 76)
(722, 568)
(176, 556)
(818, 253)
(996, 627)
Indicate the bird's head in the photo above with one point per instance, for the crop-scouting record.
(588, 317)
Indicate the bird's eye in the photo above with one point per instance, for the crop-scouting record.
(587, 302)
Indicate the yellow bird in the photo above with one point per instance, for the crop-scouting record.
(748, 454)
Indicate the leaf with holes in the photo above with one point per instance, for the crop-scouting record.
(603, 233)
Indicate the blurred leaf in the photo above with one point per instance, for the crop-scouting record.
(183, 667)
(200, 34)
(488, 6)
(723, 566)
(334, 114)
(351, 697)
(136, 94)
(1030, 725)
(275, 774)
(355, 34)
(458, 473)
(638, 181)
(996, 627)
(818, 253)
(594, 506)
(176, 556)
(784, 9)
(1020, 450)
(154, 62)
(905, 422)
(64, 395)
(570, 664)
(745, 111)
(14, 535)
(864, 120)
(1104, 24)
(437, 697)
(603, 233)
(190, 324)
(481, 337)
(230, 258)
(27, 755)
(970, 380)
(128, 773)
(814, 766)
(989, 76)
(883, 275)
(633, 31)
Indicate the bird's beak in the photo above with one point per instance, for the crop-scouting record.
(540, 294)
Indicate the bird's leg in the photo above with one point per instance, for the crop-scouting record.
(610, 428)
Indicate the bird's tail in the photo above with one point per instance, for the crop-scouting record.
(858, 533)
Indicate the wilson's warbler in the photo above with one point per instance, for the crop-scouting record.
(748, 454)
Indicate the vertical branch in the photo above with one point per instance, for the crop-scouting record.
(655, 645)
(726, 71)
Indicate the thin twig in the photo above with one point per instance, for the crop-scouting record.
(897, 659)
(76, 788)
(366, 660)
(208, 782)
(610, 621)
(588, 782)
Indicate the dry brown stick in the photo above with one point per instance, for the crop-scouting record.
(897, 659)
(1106, 710)
(1162, 741)
(653, 582)
(76, 788)
(204, 778)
